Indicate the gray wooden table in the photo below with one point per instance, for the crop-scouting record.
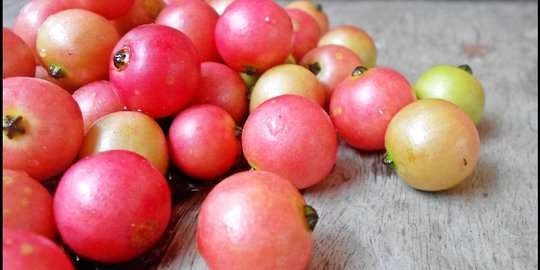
(369, 218)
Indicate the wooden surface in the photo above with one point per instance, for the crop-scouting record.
(369, 218)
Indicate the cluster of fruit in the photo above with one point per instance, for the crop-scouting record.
(109, 71)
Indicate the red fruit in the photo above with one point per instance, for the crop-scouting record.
(112, 206)
(141, 12)
(363, 104)
(197, 20)
(285, 134)
(30, 18)
(255, 220)
(218, 5)
(354, 38)
(306, 32)
(26, 204)
(97, 99)
(156, 70)
(253, 36)
(17, 57)
(22, 250)
(331, 64)
(203, 143)
(315, 10)
(223, 87)
(42, 127)
(106, 8)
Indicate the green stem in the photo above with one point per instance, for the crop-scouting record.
(466, 68)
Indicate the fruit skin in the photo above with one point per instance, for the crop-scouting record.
(197, 20)
(354, 38)
(331, 64)
(77, 42)
(53, 127)
(293, 137)
(132, 131)
(17, 57)
(97, 99)
(287, 79)
(141, 12)
(112, 206)
(23, 250)
(455, 85)
(26, 204)
(203, 143)
(108, 9)
(362, 106)
(254, 36)
(313, 10)
(152, 80)
(254, 220)
(433, 144)
(218, 5)
(223, 87)
(306, 32)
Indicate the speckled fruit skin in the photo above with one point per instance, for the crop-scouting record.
(112, 206)
(106, 8)
(223, 87)
(141, 12)
(331, 64)
(203, 142)
(433, 144)
(254, 220)
(197, 20)
(455, 85)
(151, 79)
(254, 35)
(53, 127)
(79, 43)
(287, 79)
(293, 137)
(26, 204)
(218, 5)
(354, 38)
(23, 250)
(314, 10)
(97, 99)
(133, 131)
(362, 106)
(306, 32)
(17, 57)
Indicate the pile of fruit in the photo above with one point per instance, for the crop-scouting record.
(105, 99)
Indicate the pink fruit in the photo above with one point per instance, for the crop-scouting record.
(156, 70)
(293, 137)
(255, 220)
(315, 10)
(218, 5)
(363, 104)
(306, 32)
(108, 9)
(354, 38)
(112, 206)
(17, 57)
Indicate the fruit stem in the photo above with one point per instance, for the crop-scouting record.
(12, 125)
(315, 68)
(359, 71)
(56, 71)
(319, 7)
(249, 70)
(311, 216)
(121, 58)
(238, 131)
(387, 160)
(466, 68)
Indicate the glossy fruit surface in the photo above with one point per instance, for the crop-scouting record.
(453, 84)
(133, 131)
(432, 144)
(253, 36)
(97, 99)
(141, 12)
(354, 38)
(255, 220)
(26, 204)
(363, 104)
(197, 20)
(75, 45)
(107, 9)
(287, 79)
(223, 87)
(218, 5)
(17, 57)
(203, 142)
(146, 69)
(22, 250)
(42, 127)
(315, 10)
(331, 64)
(112, 206)
(293, 137)
(306, 32)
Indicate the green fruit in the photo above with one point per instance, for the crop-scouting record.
(454, 84)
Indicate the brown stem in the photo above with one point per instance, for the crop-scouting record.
(12, 125)
(311, 216)
(359, 71)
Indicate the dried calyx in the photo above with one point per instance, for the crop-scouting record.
(359, 71)
(311, 217)
(56, 71)
(12, 126)
(315, 68)
(466, 68)
(249, 70)
(388, 161)
(121, 58)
